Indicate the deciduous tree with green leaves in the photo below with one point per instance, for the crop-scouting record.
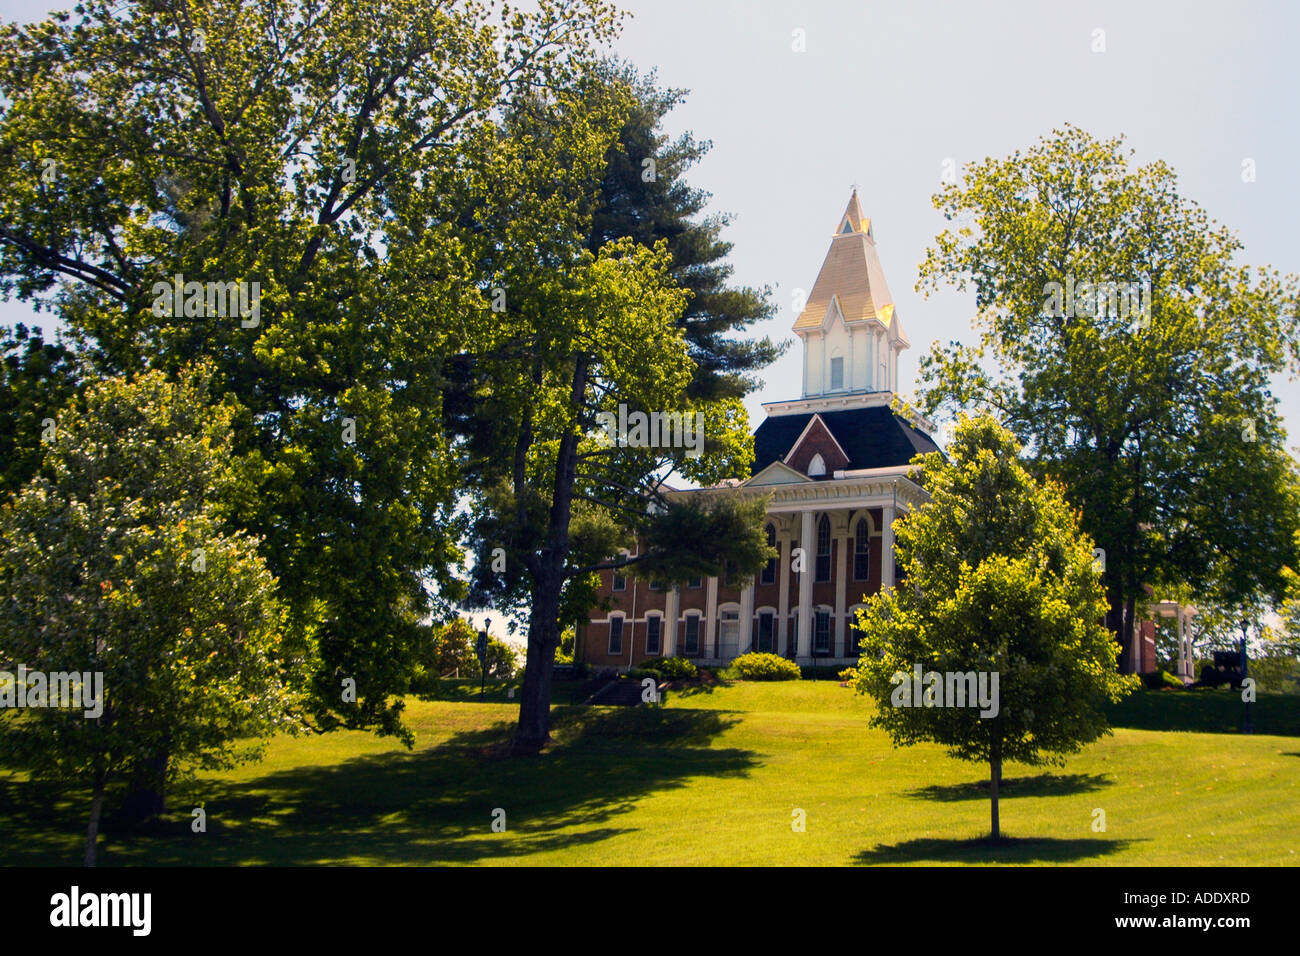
(598, 316)
(1130, 352)
(118, 564)
(1000, 580)
(329, 151)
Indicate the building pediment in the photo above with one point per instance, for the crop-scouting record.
(777, 473)
(816, 446)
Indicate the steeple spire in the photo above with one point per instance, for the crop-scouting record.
(850, 331)
(852, 220)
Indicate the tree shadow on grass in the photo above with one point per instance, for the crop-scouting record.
(436, 804)
(1007, 850)
(1042, 785)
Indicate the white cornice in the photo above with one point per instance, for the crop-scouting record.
(828, 403)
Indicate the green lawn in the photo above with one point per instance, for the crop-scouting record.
(713, 778)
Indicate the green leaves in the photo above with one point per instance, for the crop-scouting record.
(118, 563)
(999, 580)
(1160, 426)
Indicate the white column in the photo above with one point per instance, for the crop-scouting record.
(711, 618)
(887, 547)
(1182, 660)
(670, 622)
(841, 583)
(805, 584)
(746, 619)
(783, 593)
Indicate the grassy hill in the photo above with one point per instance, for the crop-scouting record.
(714, 777)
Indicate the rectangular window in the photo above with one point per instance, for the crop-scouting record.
(822, 632)
(616, 635)
(837, 373)
(653, 625)
(766, 632)
(656, 586)
(729, 575)
(769, 572)
(691, 646)
(620, 582)
(792, 645)
(695, 583)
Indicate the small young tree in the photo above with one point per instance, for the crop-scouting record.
(1000, 582)
(118, 566)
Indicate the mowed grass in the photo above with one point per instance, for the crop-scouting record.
(714, 777)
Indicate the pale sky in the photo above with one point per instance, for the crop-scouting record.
(886, 92)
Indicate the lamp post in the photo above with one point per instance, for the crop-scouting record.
(1248, 728)
(481, 649)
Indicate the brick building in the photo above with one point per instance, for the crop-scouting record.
(835, 462)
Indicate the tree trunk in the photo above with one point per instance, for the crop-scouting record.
(147, 796)
(995, 778)
(534, 728)
(1130, 623)
(96, 809)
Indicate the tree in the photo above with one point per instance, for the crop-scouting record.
(597, 328)
(1130, 354)
(1001, 584)
(319, 158)
(117, 566)
(37, 378)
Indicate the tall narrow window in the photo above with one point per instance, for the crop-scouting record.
(728, 635)
(861, 551)
(691, 645)
(769, 570)
(620, 582)
(822, 632)
(729, 575)
(855, 636)
(653, 628)
(824, 549)
(837, 373)
(766, 632)
(616, 635)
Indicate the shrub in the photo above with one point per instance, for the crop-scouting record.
(849, 674)
(765, 667)
(671, 668)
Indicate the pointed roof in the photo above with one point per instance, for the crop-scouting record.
(851, 274)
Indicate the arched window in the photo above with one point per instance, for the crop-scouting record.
(817, 466)
(824, 549)
(861, 550)
(769, 570)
